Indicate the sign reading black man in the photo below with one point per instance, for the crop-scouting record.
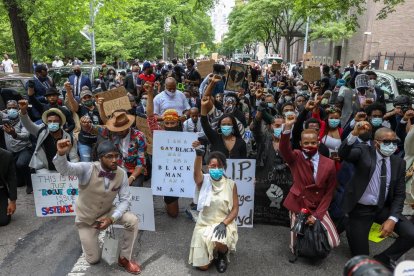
(173, 163)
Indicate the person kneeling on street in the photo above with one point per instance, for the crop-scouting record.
(218, 203)
(99, 183)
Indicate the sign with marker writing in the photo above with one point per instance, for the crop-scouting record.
(242, 171)
(114, 99)
(173, 163)
(142, 205)
(54, 194)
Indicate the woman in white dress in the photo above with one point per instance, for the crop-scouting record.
(215, 232)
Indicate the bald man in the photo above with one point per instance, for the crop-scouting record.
(193, 124)
(171, 98)
(376, 193)
(78, 80)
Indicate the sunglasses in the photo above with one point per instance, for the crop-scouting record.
(388, 142)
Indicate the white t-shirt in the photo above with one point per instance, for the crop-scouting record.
(57, 63)
(178, 102)
(7, 65)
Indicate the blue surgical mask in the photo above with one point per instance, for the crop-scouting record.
(270, 105)
(12, 113)
(333, 123)
(144, 102)
(376, 122)
(226, 130)
(388, 150)
(289, 113)
(277, 132)
(216, 174)
(53, 127)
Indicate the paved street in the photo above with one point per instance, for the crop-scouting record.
(50, 246)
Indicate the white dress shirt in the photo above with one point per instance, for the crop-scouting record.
(83, 170)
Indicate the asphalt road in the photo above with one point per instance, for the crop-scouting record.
(51, 246)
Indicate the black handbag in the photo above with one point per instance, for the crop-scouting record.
(313, 243)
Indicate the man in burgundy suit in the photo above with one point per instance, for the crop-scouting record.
(314, 180)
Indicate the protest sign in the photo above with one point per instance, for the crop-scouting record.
(312, 74)
(173, 168)
(215, 56)
(142, 205)
(205, 67)
(236, 76)
(276, 67)
(54, 194)
(242, 171)
(142, 126)
(114, 99)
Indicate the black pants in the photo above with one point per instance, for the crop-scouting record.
(360, 222)
(4, 202)
(22, 160)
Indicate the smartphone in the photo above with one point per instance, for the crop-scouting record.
(31, 84)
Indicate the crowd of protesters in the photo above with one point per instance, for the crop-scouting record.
(332, 146)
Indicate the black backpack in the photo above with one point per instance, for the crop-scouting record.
(314, 242)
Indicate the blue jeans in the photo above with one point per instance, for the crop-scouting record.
(85, 152)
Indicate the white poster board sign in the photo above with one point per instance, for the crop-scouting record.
(173, 163)
(142, 205)
(54, 194)
(242, 171)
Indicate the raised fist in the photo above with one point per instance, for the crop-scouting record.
(63, 146)
(23, 105)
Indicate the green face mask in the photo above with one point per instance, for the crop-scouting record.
(88, 103)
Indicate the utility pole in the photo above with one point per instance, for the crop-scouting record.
(92, 15)
(305, 46)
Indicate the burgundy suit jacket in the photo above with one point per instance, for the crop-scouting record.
(316, 195)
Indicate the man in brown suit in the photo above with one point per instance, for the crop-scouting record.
(99, 183)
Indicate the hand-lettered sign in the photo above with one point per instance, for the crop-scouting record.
(114, 99)
(54, 194)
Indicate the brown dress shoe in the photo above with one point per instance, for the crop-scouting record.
(130, 266)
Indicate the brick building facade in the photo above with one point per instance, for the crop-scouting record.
(389, 41)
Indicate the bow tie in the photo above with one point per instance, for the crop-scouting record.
(109, 175)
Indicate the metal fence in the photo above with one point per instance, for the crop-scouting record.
(393, 61)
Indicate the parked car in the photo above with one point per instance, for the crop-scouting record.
(12, 87)
(61, 74)
(395, 83)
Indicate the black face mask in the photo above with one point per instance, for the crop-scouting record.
(77, 73)
(365, 136)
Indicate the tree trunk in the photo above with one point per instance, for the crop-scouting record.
(288, 53)
(20, 35)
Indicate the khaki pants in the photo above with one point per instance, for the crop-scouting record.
(89, 238)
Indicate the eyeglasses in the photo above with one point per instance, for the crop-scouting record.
(112, 156)
(388, 142)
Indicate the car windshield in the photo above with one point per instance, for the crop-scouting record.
(405, 86)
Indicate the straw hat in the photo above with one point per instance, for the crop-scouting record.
(120, 121)
(54, 110)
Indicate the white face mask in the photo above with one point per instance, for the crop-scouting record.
(372, 83)
(171, 94)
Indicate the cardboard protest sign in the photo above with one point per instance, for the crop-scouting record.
(54, 194)
(236, 76)
(142, 205)
(276, 67)
(142, 126)
(115, 99)
(312, 74)
(205, 67)
(242, 171)
(215, 56)
(173, 167)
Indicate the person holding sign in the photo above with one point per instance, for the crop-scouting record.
(314, 181)
(171, 123)
(99, 183)
(218, 203)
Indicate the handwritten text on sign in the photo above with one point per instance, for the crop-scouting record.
(142, 205)
(173, 163)
(242, 171)
(54, 194)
